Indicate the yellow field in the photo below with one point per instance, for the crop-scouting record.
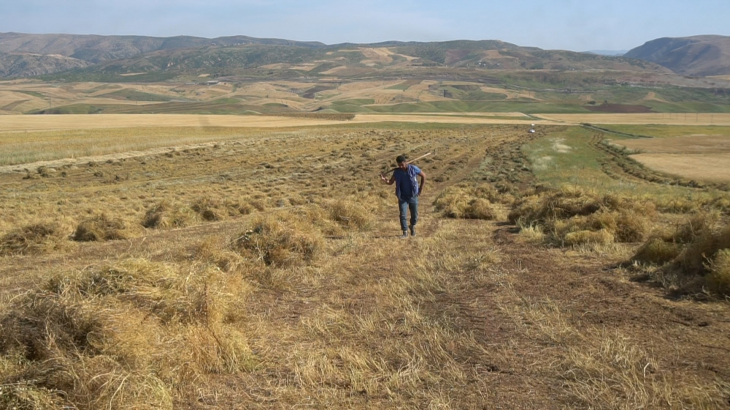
(68, 122)
(696, 157)
(668, 119)
(700, 167)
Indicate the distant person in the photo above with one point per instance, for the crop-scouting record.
(407, 190)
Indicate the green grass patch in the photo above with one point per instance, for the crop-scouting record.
(134, 95)
(352, 106)
(565, 157)
(31, 93)
(404, 85)
(660, 131)
(71, 109)
(479, 106)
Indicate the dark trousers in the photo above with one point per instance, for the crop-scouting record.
(404, 206)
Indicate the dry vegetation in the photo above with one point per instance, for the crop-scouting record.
(263, 270)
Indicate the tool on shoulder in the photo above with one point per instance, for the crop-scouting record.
(407, 162)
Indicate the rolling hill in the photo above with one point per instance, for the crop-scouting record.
(29, 65)
(104, 57)
(695, 56)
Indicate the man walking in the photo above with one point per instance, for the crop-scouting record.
(407, 190)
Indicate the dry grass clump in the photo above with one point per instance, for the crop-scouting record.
(576, 216)
(280, 241)
(100, 228)
(657, 251)
(719, 277)
(166, 215)
(120, 336)
(26, 395)
(33, 239)
(348, 213)
(467, 202)
(704, 248)
(208, 209)
(617, 373)
(600, 237)
(213, 251)
(692, 256)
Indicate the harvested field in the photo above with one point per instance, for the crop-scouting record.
(665, 118)
(68, 122)
(690, 144)
(699, 167)
(695, 157)
(263, 270)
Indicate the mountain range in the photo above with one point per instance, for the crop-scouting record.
(696, 56)
(155, 58)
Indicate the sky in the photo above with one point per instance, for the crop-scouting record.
(577, 25)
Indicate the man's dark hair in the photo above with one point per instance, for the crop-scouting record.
(400, 158)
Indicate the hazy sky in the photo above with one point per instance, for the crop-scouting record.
(577, 25)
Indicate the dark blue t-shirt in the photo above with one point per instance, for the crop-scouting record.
(406, 184)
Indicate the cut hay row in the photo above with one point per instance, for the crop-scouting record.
(265, 272)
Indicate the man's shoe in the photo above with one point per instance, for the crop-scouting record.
(405, 235)
(413, 231)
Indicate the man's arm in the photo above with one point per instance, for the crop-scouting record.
(386, 180)
(423, 182)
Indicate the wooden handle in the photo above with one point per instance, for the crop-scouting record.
(408, 162)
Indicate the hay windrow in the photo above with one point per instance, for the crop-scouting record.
(100, 228)
(469, 202)
(33, 239)
(719, 277)
(694, 254)
(280, 242)
(168, 215)
(599, 218)
(109, 336)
